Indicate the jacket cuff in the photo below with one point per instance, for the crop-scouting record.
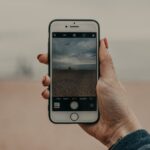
(133, 140)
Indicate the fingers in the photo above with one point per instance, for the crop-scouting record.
(46, 82)
(45, 94)
(43, 58)
(106, 64)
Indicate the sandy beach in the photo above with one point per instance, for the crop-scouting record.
(24, 120)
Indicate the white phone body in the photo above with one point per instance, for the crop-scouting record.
(74, 115)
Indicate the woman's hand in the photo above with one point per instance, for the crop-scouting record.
(116, 118)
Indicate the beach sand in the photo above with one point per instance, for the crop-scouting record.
(24, 123)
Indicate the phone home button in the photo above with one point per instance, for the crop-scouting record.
(74, 116)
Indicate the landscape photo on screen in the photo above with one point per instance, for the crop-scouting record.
(74, 66)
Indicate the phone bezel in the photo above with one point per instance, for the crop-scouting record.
(62, 22)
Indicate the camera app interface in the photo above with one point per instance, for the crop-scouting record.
(74, 71)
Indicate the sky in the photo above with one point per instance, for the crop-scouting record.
(77, 53)
(24, 34)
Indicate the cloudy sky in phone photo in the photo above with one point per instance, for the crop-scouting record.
(77, 53)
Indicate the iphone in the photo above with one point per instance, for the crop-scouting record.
(73, 47)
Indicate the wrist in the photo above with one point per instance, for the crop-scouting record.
(121, 131)
(110, 133)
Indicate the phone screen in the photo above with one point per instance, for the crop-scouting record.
(74, 71)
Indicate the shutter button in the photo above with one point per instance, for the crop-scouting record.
(74, 105)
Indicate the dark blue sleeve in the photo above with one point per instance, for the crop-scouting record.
(138, 140)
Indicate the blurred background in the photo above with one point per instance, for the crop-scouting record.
(24, 120)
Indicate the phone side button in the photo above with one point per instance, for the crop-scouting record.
(74, 116)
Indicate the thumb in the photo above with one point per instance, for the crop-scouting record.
(107, 69)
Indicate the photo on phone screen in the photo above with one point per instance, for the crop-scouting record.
(74, 70)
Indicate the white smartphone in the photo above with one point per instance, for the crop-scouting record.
(74, 70)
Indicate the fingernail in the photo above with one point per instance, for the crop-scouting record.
(42, 93)
(106, 42)
(43, 80)
(38, 56)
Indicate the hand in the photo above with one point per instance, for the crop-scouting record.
(116, 118)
